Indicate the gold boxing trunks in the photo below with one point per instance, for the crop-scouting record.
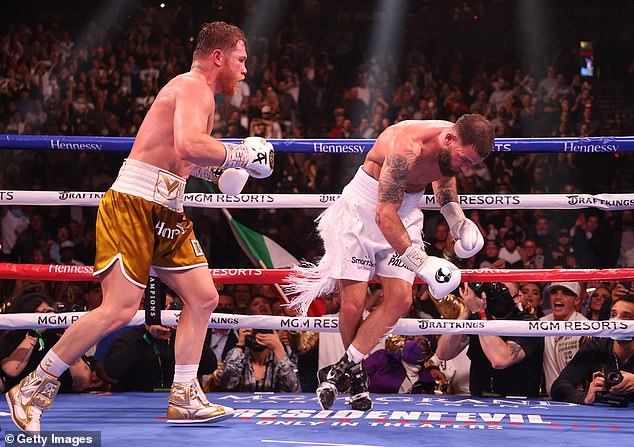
(141, 222)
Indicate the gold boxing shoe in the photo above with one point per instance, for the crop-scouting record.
(29, 398)
(189, 405)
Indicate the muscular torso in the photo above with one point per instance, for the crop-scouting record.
(154, 143)
(422, 138)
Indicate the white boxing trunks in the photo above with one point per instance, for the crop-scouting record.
(354, 246)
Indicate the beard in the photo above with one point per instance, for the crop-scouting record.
(228, 83)
(444, 163)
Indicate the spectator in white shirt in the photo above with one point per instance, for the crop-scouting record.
(559, 350)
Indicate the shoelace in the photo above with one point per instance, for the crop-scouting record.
(29, 388)
(36, 413)
(198, 393)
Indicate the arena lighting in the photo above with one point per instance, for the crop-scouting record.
(109, 13)
(388, 29)
(534, 32)
(265, 18)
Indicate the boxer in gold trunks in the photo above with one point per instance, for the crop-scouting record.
(141, 224)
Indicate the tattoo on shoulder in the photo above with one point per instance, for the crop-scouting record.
(516, 349)
(392, 184)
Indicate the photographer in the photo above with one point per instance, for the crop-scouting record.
(500, 365)
(603, 366)
(22, 350)
(259, 363)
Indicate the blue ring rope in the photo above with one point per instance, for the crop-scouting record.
(319, 146)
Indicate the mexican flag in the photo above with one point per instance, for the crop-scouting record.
(263, 251)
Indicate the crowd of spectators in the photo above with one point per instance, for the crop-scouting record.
(100, 79)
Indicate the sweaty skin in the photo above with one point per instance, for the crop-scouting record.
(175, 134)
(408, 156)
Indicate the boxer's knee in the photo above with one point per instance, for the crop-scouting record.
(203, 301)
(351, 311)
(397, 299)
(402, 305)
(117, 317)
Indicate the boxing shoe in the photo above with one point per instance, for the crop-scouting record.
(187, 404)
(322, 374)
(254, 154)
(29, 398)
(334, 380)
(359, 388)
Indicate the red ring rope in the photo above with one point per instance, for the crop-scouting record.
(258, 276)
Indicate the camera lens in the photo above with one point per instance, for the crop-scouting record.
(613, 378)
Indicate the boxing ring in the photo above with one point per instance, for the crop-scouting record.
(295, 419)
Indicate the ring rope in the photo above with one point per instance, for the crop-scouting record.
(405, 326)
(61, 272)
(325, 146)
(611, 202)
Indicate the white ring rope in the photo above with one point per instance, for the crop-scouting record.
(611, 202)
(405, 326)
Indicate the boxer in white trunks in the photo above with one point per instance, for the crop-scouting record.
(374, 230)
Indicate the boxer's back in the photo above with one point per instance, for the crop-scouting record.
(412, 138)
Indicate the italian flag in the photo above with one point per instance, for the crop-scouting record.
(262, 251)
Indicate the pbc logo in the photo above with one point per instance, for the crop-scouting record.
(443, 275)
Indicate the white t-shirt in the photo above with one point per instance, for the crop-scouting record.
(510, 257)
(456, 371)
(10, 227)
(559, 350)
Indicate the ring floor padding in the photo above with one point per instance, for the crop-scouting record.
(295, 420)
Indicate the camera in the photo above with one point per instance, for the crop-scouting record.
(251, 342)
(499, 300)
(612, 378)
(480, 287)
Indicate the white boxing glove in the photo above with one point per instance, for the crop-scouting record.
(469, 240)
(254, 154)
(441, 276)
(230, 181)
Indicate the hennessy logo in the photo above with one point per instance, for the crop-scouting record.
(48, 363)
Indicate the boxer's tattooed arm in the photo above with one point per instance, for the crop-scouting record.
(392, 179)
(445, 191)
(516, 350)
